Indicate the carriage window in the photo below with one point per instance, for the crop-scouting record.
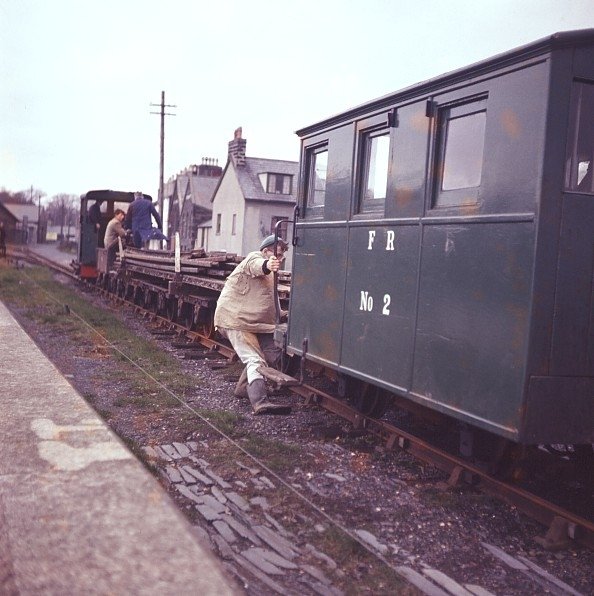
(375, 160)
(459, 153)
(317, 168)
(580, 146)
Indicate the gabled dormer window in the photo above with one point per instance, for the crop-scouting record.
(276, 184)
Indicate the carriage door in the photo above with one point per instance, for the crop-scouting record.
(383, 247)
(573, 326)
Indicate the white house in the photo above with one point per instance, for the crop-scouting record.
(251, 196)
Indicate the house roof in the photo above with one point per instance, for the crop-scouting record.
(202, 214)
(6, 214)
(19, 210)
(202, 189)
(199, 189)
(249, 181)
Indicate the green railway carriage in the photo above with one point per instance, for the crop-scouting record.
(444, 250)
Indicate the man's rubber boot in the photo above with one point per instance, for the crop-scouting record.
(242, 384)
(259, 399)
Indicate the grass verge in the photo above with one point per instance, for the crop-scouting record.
(61, 310)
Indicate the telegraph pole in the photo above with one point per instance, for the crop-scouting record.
(162, 113)
(38, 213)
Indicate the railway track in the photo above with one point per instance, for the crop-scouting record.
(562, 524)
(17, 255)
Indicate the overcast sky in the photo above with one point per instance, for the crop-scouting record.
(77, 77)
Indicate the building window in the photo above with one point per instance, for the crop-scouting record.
(580, 144)
(317, 168)
(277, 184)
(218, 231)
(459, 146)
(234, 225)
(282, 229)
(375, 158)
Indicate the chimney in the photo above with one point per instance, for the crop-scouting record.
(237, 148)
(209, 168)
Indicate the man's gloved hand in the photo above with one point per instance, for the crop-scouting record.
(274, 263)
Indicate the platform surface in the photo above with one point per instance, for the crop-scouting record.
(78, 513)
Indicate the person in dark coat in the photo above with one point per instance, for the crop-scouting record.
(94, 214)
(2, 240)
(138, 219)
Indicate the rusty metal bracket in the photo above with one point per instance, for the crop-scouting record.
(304, 345)
(456, 476)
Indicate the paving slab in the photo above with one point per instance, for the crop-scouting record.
(277, 542)
(200, 477)
(276, 587)
(225, 531)
(186, 476)
(189, 494)
(171, 451)
(182, 449)
(241, 529)
(173, 474)
(238, 500)
(208, 513)
(275, 558)
(254, 556)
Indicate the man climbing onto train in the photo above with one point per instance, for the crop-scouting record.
(138, 219)
(246, 316)
(114, 231)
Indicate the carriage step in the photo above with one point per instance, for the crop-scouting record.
(278, 377)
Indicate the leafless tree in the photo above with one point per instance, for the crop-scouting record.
(62, 210)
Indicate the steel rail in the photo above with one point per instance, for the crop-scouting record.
(33, 257)
(532, 505)
(180, 329)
